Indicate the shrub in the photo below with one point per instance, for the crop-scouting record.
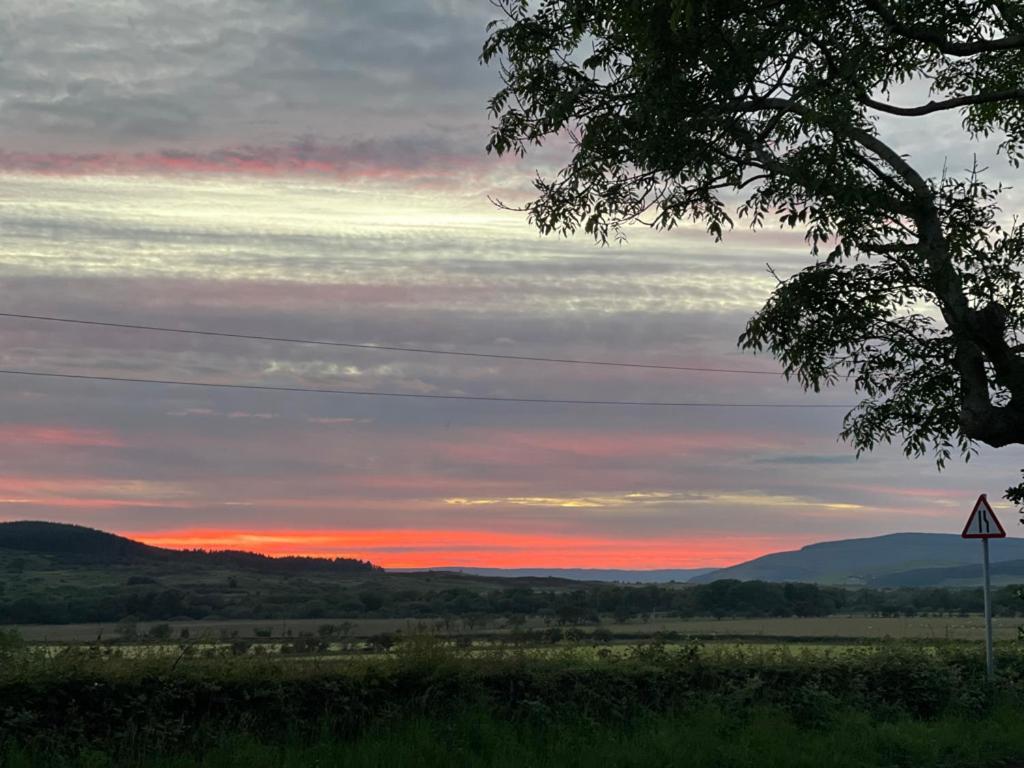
(159, 632)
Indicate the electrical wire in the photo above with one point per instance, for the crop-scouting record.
(379, 347)
(414, 395)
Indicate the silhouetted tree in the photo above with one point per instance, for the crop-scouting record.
(709, 110)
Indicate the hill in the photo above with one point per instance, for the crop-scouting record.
(78, 545)
(74, 542)
(867, 561)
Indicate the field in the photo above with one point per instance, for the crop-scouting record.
(811, 629)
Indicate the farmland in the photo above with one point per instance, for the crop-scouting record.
(799, 629)
(839, 690)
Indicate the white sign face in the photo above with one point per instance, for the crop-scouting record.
(983, 523)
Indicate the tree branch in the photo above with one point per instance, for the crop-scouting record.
(872, 143)
(939, 106)
(933, 36)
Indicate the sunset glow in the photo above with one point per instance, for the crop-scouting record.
(431, 547)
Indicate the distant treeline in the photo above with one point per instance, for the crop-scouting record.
(145, 600)
(253, 561)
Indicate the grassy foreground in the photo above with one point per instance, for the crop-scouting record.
(707, 737)
(427, 705)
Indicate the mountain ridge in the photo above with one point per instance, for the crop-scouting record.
(863, 561)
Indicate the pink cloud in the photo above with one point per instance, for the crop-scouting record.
(395, 160)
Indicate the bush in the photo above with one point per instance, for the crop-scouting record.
(159, 632)
(75, 700)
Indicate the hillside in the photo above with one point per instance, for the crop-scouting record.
(1002, 573)
(73, 542)
(78, 545)
(866, 561)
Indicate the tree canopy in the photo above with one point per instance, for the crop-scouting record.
(768, 110)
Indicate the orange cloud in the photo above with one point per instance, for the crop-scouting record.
(422, 548)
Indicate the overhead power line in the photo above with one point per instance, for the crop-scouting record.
(386, 348)
(415, 395)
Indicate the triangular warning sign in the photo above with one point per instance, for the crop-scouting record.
(983, 523)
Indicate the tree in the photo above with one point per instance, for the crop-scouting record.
(720, 110)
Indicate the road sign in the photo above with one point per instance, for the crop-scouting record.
(983, 523)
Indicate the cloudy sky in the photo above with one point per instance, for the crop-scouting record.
(314, 169)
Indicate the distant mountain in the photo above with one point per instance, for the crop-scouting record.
(78, 545)
(869, 561)
(660, 576)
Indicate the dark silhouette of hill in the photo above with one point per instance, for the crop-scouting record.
(864, 561)
(73, 542)
(78, 545)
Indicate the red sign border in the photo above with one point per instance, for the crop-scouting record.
(983, 499)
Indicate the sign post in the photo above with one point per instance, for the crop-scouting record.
(983, 524)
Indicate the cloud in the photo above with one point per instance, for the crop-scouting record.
(67, 491)
(200, 71)
(432, 161)
(59, 436)
(800, 459)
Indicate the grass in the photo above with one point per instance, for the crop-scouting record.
(430, 703)
(705, 737)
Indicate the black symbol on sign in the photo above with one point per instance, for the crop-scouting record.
(983, 518)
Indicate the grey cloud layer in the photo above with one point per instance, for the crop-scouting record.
(110, 74)
(206, 75)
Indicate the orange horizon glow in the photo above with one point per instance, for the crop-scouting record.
(432, 548)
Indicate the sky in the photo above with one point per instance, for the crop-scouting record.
(315, 169)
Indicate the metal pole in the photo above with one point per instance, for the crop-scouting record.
(990, 661)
